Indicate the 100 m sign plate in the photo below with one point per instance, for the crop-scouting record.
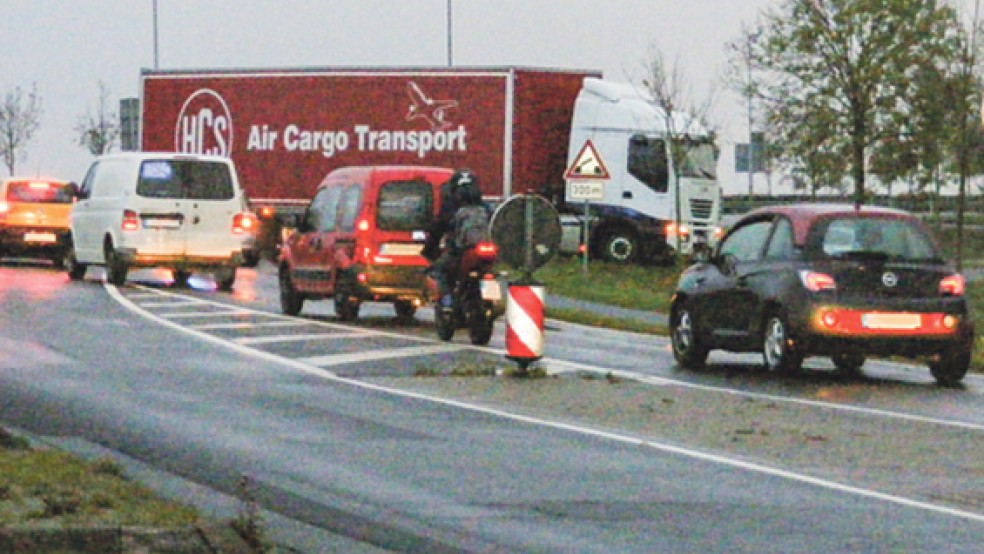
(585, 190)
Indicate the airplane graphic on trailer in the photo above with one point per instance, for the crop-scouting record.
(425, 107)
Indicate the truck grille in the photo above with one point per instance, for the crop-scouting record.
(701, 209)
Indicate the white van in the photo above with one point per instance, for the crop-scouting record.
(142, 209)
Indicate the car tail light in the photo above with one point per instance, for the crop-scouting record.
(244, 222)
(953, 285)
(815, 281)
(130, 221)
(486, 250)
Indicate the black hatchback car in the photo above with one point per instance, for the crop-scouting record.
(825, 280)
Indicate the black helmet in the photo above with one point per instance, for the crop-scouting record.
(464, 185)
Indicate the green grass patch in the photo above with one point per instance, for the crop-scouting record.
(49, 488)
(643, 287)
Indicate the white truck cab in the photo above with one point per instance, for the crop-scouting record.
(646, 195)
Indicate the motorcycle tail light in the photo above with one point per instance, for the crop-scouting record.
(486, 250)
(130, 221)
(953, 285)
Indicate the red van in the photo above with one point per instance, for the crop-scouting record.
(360, 240)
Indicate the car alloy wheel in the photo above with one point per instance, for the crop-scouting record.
(776, 349)
(687, 348)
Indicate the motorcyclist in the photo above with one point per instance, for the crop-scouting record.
(461, 191)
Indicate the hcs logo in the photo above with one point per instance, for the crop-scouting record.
(204, 125)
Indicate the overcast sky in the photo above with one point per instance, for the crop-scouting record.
(68, 46)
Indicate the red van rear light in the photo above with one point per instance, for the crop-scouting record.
(244, 222)
(130, 221)
(816, 282)
(362, 225)
(4, 208)
(953, 285)
(486, 250)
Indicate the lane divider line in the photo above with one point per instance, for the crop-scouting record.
(289, 338)
(375, 355)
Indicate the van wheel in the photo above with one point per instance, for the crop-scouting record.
(226, 278)
(116, 268)
(404, 309)
(291, 301)
(346, 308)
(620, 246)
(76, 271)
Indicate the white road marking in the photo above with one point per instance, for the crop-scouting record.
(312, 336)
(176, 315)
(246, 324)
(171, 304)
(582, 430)
(380, 354)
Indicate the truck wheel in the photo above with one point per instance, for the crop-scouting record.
(346, 308)
(291, 301)
(620, 246)
(951, 368)
(779, 354)
(116, 268)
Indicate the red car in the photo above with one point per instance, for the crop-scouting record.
(825, 280)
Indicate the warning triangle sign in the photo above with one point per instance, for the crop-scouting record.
(587, 165)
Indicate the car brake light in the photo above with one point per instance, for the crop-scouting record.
(130, 220)
(953, 285)
(243, 223)
(816, 282)
(38, 185)
(485, 250)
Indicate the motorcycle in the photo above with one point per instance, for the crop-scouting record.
(476, 299)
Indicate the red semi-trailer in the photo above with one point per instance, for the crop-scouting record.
(286, 129)
(520, 129)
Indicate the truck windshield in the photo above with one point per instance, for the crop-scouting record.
(700, 159)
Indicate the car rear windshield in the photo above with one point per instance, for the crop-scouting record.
(42, 192)
(888, 238)
(405, 205)
(185, 179)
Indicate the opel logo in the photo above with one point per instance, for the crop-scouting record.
(890, 279)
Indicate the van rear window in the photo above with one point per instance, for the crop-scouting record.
(185, 179)
(405, 205)
(41, 192)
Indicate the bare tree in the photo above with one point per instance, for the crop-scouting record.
(20, 118)
(685, 118)
(98, 133)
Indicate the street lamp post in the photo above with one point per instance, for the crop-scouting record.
(450, 35)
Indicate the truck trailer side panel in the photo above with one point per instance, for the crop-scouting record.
(286, 130)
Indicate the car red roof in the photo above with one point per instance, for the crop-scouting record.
(802, 216)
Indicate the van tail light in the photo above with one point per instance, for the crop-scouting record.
(953, 285)
(362, 225)
(130, 221)
(815, 281)
(4, 208)
(486, 250)
(243, 222)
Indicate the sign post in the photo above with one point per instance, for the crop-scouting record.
(586, 181)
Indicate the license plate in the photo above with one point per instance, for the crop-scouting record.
(401, 249)
(162, 223)
(891, 321)
(491, 290)
(40, 237)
